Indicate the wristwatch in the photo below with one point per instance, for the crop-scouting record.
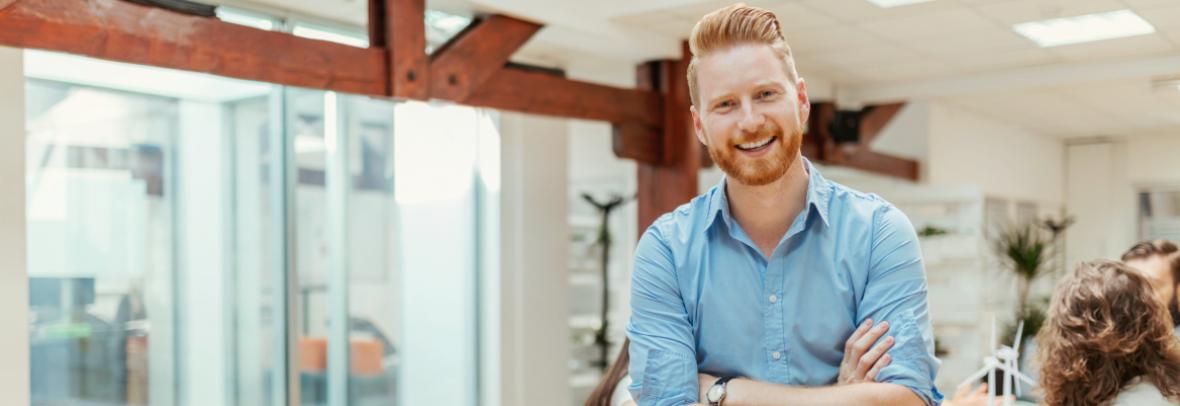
(716, 393)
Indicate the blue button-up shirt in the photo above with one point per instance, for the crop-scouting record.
(705, 299)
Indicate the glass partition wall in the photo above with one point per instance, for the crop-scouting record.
(196, 240)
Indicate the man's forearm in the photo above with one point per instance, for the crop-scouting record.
(745, 392)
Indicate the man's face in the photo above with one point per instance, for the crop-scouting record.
(1159, 273)
(750, 116)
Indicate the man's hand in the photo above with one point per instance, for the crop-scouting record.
(862, 363)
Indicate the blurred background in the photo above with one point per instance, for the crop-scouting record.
(192, 239)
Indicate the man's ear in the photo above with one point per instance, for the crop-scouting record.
(803, 100)
(697, 128)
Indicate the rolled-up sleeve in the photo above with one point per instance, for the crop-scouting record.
(896, 292)
(663, 357)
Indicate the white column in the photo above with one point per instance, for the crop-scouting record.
(534, 316)
(203, 161)
(14, 284)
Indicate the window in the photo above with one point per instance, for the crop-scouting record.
(196, 240)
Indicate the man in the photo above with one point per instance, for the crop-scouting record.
(1159, 260)
(762, 280)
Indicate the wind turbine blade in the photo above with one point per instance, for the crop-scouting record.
(975, 377)
(1016, 341)
(1016, 382)
(994, 347)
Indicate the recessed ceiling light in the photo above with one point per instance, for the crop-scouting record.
(895, 3)
(1084, 28)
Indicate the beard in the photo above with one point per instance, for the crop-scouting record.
(764, 169)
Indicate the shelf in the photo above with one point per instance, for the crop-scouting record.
(585, 379)
(585, 321)
(585, 279)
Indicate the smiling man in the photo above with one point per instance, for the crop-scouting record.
(748, 294)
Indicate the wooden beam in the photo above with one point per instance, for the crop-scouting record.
(664, 186)
(377, 29)
(475, 55)
(876, 119)
(875, 162)
(820, 147)
(405, 37)
(127, 32)
(642, 143)
(545, 94)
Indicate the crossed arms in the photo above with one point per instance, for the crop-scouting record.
(663, 350)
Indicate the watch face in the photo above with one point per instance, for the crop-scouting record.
(715, 393)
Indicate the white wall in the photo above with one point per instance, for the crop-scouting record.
(1006, 161)
(1103, 179)
(14, 285)
(534, 288)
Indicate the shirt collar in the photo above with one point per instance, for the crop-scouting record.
(818, 197)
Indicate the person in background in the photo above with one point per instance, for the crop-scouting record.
(1159, 260)
(1108, 340)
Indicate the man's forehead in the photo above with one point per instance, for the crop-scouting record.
(740, 66)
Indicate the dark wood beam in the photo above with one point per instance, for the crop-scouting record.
(672, 182)
(875, 162)
(405, 41)
(466, 62)
(545, 94)
(642, 143)
(377, 29)
(876, 119)
(127, 32)
(820, 146)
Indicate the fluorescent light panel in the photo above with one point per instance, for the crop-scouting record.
(1084, 28)
(895, 3)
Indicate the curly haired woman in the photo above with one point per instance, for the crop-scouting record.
(1108, 341)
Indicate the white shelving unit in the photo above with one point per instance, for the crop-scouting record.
(585, 281)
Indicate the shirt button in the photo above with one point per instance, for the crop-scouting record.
(773, 298)
(776, 355)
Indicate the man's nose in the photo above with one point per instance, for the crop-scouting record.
(751, 119)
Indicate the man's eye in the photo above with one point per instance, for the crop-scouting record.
(767, 94)
(725, 104)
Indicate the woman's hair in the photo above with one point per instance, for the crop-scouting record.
(1105, 328)
(602, 394)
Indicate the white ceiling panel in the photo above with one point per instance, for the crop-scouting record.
(1019, 11)
(928, 24)
(1162, 17)
(1150, 44)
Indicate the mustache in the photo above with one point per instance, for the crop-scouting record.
(766, 131)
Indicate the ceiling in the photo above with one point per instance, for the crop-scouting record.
(962, 52)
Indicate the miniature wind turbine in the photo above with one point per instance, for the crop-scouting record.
(1003, 358)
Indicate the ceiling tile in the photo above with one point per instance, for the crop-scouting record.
(1121, 47)
(906, 70)
(926, 25)
(1148, 3)
(854, 58)
(854, 11)
(973, 62)
(830, 39)
(1162, 17)
(1019, 11)
(977, 40)
(797, 16)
